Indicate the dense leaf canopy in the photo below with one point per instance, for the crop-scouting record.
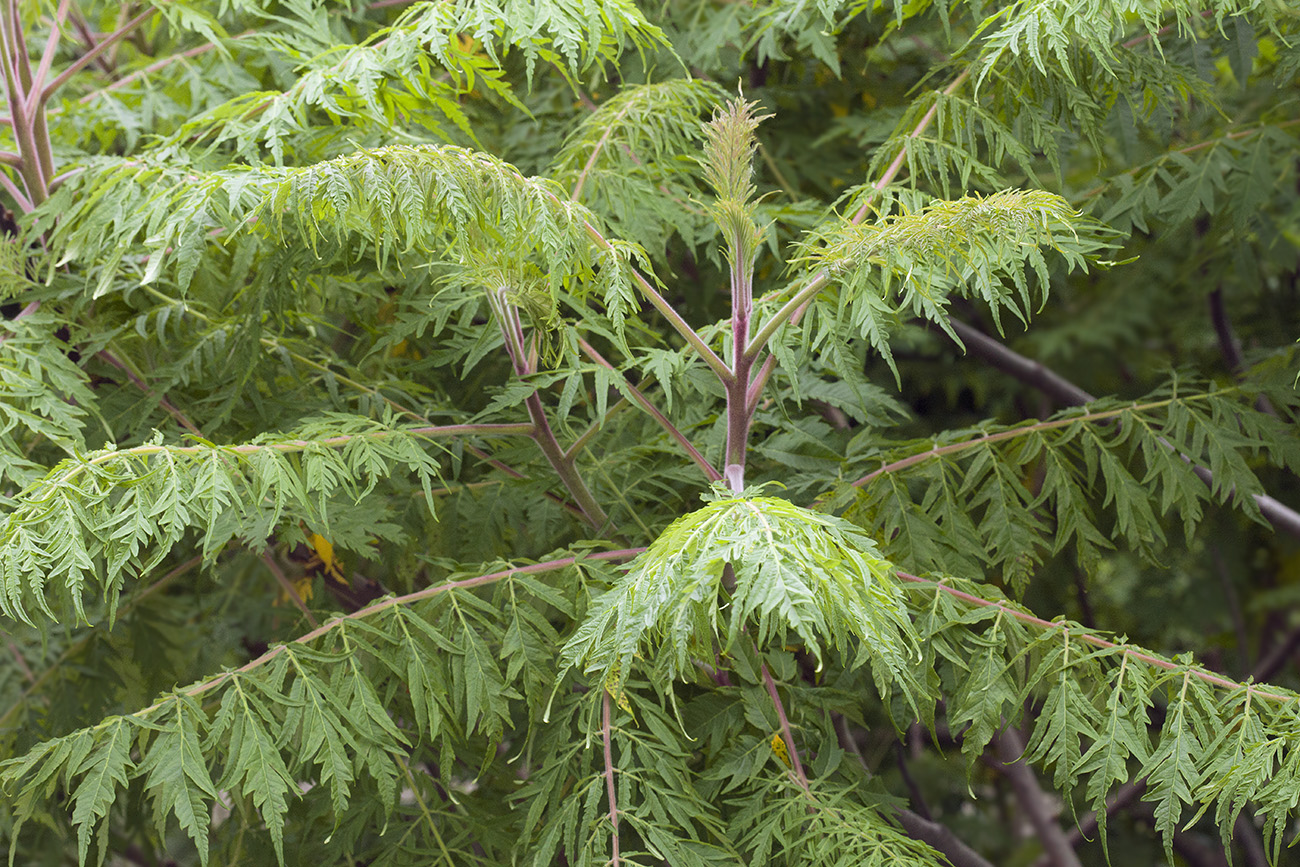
(687, 433)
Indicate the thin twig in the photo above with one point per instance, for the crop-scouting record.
(20, 660)
(913, 790)
(83, 30)
(941, 838)
(155, 67)
(512, 332)
(609, 776)
(81, 62)
(1026, 370)
(383, 605)
(1132, 651)
(786, 734)
(287, 586)
(47, 57)
(641, 401)
(180, 417)
(669, 312)
(1230, 346)
(1282, 517)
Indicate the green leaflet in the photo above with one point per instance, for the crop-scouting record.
(104, 769)
(402, 201)
(747, 569)
(838, 831)
(1127, 458)
(97, 518)
(972, 247)
(177, 772)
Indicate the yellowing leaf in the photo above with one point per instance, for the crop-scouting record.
(778, 748)
(614, 686)
(325, 551)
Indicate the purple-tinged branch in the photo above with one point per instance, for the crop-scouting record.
(47, 58)
(24, 204)
(1095, 640)
(523, 360)
(287, 586)
(609, 777)
(89, 57)
(669, 312)
(643, 402)
(786, 734)
(987, 439)
(384, 604)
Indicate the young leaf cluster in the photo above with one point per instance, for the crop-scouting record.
(970, 247)
(745, 569)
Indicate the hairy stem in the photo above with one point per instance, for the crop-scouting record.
(18, 80)
(739, 413)
(609, 777)
(786, 734)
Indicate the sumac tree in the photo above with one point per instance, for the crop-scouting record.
(589, 432)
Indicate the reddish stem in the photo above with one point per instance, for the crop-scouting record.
(1095, 640)
(643, 402)
(786, 734)
(609, 776)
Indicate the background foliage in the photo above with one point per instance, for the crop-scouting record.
(582, 431)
